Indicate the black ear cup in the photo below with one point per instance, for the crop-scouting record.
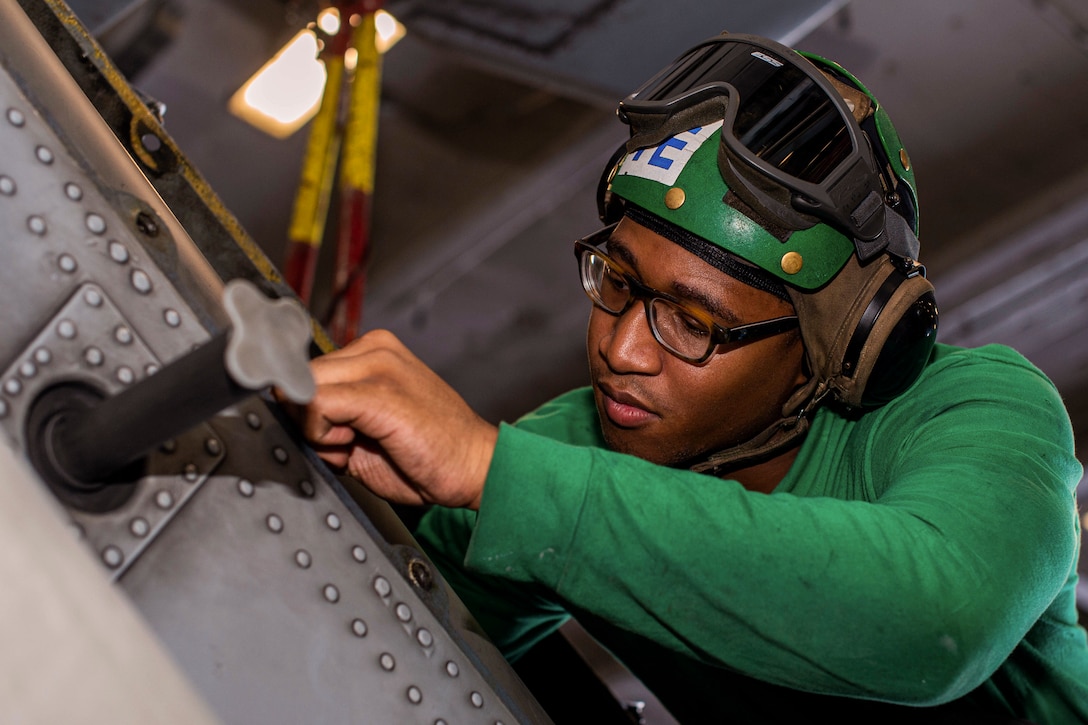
(893, 339)
(868, 332)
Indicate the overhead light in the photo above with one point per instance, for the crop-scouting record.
(329, 21)
(286, 92)
(389, 30)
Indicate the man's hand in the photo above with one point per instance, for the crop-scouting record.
(392, 423)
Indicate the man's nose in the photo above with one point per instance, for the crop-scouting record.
(630, 346)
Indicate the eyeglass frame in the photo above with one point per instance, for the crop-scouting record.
(718, 334)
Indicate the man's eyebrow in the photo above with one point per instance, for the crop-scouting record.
(707, 302)
(686, 293)
(616, 249)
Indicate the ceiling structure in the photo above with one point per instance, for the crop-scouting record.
(497, 118)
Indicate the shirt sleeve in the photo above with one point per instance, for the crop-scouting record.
(914, 593)
(515, 614)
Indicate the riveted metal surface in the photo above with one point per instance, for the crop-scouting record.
(89, 341)
(274, 563)
(59, 231)
(276, 592)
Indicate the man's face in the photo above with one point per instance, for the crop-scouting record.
(658, 407)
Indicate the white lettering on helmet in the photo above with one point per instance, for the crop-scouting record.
(663, 163)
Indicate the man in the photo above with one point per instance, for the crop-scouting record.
(778, 499)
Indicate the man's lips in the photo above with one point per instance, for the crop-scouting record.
(623, 409)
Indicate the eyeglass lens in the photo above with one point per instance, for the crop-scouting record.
(675, 328)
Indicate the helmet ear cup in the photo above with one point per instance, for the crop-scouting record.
(892, 342)
(869, 332)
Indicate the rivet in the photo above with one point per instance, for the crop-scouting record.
(7, 186)
(191, 472)
(792, 262)
(303, 559)
(280, 454)
(414, 695)
(332, 594)
(123, 335)
(28, 369)
(452, 669)
(44, 155)
(403, 612)
(139, 527)
(173, 319)
(93, 357)
(245, 488)
(333, 522)
(440, 721)
(424, 637)
(253, 421)
(275, 523)
(113, 557)
(118, 253)
(73, 192)
(12, 386)
(140, 281)
(358, 626)
(675, 198)
(151, 369)
(95, 224)
(93, 298)
(477, 699)
(169, 446)
(905, 159)
(66, 329)
(67, 263)
(307, 489)
(36, 225)
(125, 376)
(164, 500)
(213, 447)
(358, 553)
(43, 356)
(382, 587)
(16, 117)
(387, 662)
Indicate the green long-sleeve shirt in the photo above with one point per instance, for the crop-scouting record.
(920, 555)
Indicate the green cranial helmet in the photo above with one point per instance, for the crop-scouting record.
(678, 182)
(782, 165)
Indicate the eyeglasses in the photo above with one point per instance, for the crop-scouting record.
(688, 333)
(784, 121)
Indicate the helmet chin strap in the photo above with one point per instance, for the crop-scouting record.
(778, 437)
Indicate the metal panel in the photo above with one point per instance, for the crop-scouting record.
(276, 592)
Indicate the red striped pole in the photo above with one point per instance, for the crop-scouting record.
(357, 177)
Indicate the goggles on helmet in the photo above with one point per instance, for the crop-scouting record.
(790, 144)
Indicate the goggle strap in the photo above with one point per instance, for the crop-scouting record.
(870, 205)
(902, 241)
(657, 131)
